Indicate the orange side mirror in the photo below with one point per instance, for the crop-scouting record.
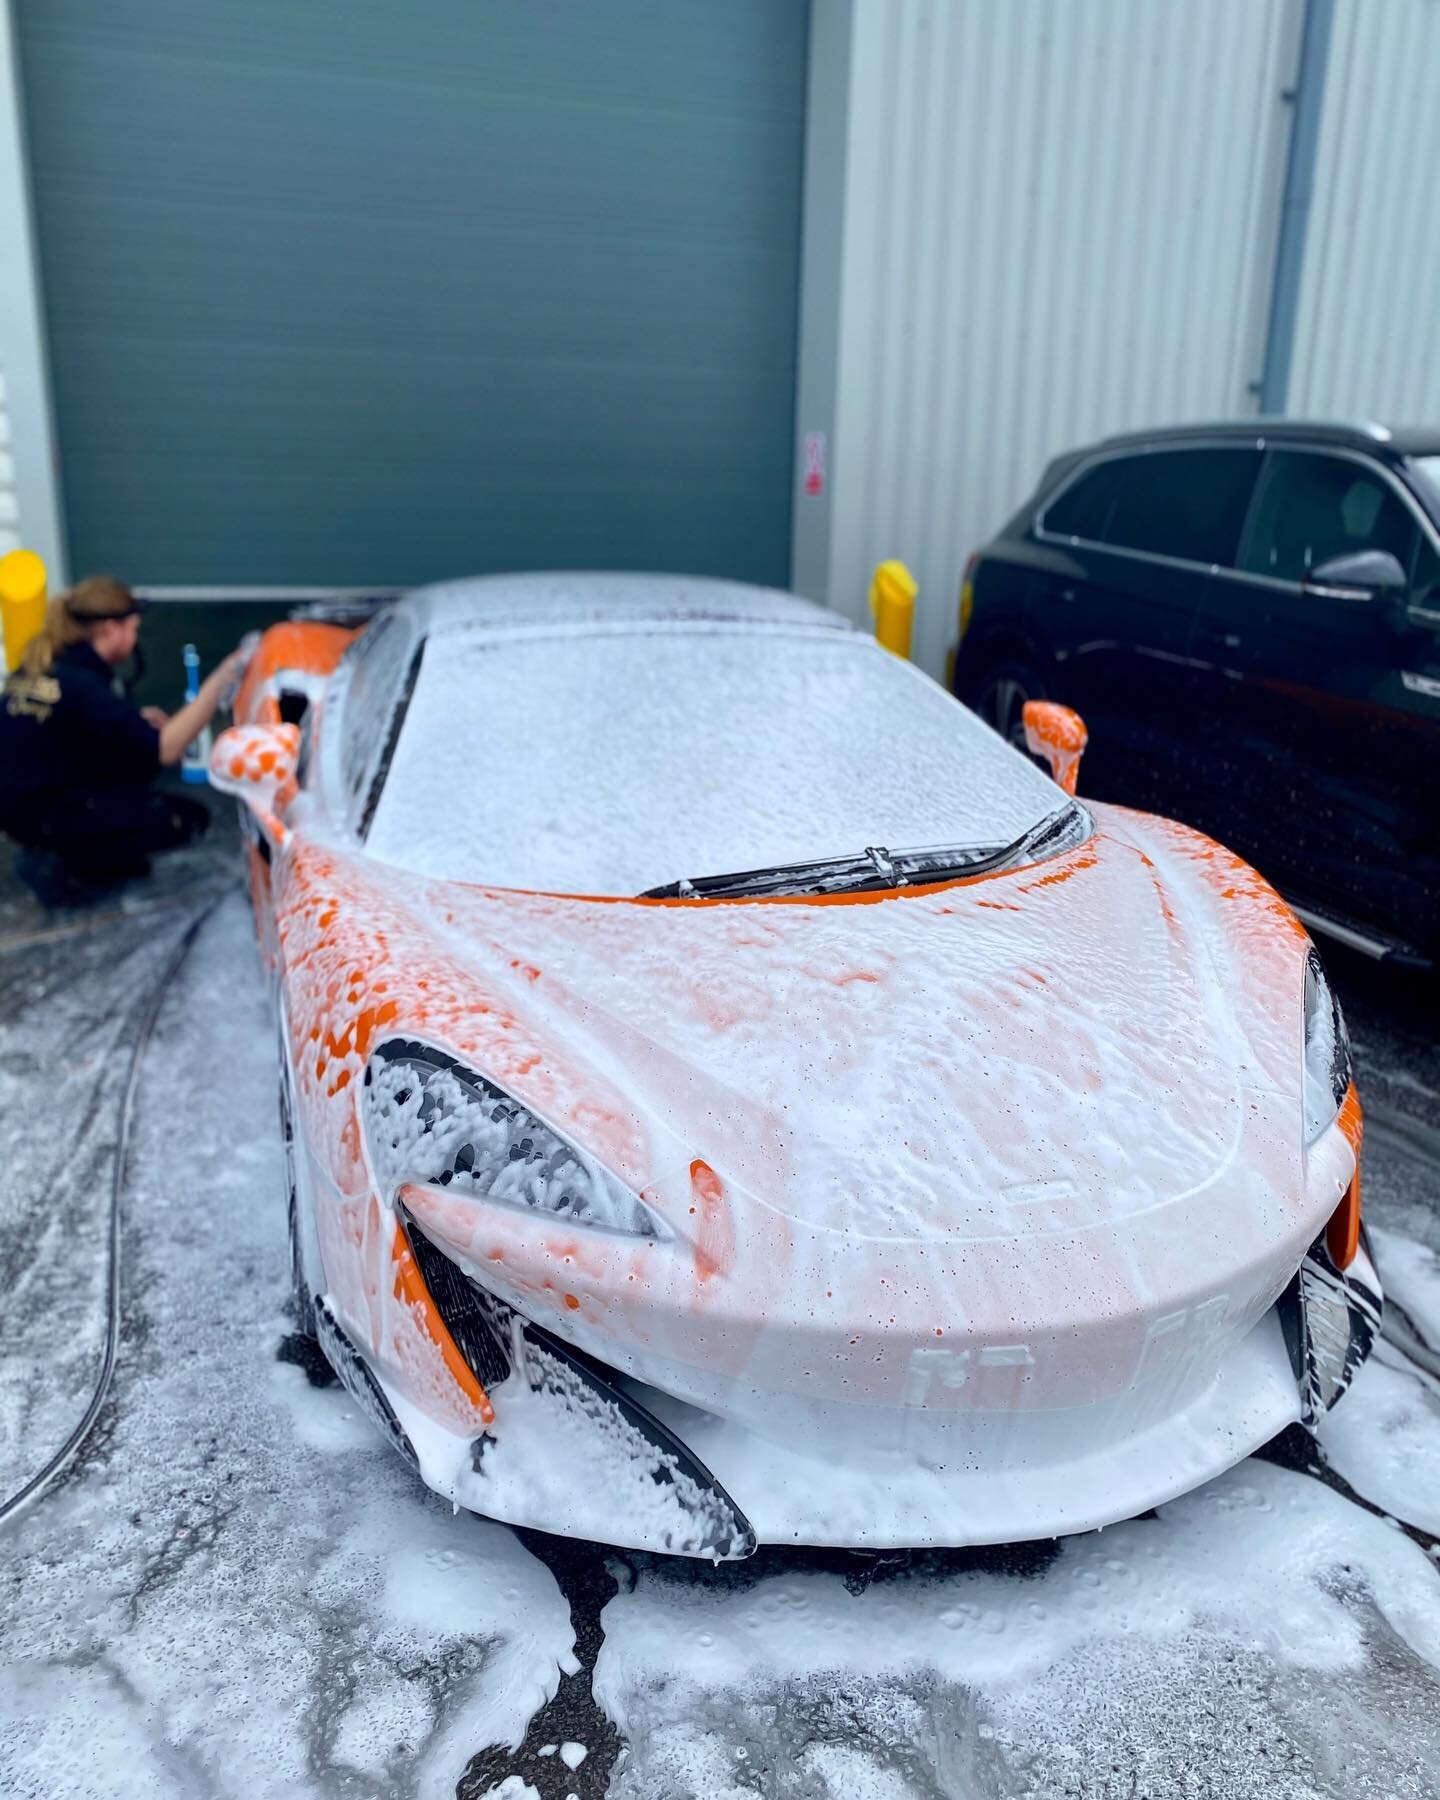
(257, 764)
(1057, 734)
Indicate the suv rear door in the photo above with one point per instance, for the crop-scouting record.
(1138, 534)
(1329, 754)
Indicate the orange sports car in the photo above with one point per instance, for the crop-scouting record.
(732, 1096)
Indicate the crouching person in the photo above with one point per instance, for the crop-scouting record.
(78, 762)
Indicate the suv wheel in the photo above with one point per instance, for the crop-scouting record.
(1000, 698)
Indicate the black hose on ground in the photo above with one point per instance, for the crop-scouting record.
(38, 1482)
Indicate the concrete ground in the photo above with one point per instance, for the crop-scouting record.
(238, 1590)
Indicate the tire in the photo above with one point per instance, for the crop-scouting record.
(1000, 694)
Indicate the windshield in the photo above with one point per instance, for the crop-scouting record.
(621, 760)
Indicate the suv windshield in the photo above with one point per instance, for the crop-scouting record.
(621, 759)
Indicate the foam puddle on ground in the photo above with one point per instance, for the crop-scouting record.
(1210, 1642)
(1385, 1438)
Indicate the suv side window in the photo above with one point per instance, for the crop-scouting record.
(1184, 503)
(1188, 504)
(1083, 509)
(1310, 507)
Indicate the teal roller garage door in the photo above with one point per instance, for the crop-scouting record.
(361, 291)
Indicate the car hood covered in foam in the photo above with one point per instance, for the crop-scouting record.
(1036, 1099)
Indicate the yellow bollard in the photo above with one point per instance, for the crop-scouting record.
(22, 601)
(892, 600)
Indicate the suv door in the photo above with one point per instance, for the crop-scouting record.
(1138, 534)
(1329, 753)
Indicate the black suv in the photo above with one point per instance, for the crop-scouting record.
(1247, 616)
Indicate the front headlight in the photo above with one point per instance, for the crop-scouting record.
(1327, 1051)
(430, 1120)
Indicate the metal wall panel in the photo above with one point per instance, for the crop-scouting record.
(356, 292)
(29, 491)
(1059, 221)
(9, 497)
(1367, 344)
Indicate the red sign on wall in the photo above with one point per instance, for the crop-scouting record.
(814, 462)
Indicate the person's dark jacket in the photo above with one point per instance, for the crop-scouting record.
(68, 729)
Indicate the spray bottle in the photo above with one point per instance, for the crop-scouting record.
(195, 764)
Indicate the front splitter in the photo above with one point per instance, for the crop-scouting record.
(978, 1479)
(1003, 1477)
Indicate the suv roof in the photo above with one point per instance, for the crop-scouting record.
(1398, 440)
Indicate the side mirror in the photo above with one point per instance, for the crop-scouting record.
(1057, 734)
(257, 764)
(1361, 576)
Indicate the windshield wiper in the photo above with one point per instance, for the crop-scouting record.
(876, 868)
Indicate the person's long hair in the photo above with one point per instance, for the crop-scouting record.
(71, 619)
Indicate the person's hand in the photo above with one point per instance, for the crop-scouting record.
(156, 716)
(222, 683)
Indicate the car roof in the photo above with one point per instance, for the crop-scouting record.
(1396, 440)
(521, 602)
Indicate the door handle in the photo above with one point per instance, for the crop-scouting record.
(1221, 640)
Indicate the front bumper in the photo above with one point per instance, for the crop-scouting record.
(581, 1450)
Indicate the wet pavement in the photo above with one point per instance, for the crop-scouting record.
(238, 1590)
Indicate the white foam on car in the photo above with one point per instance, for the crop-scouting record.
(558, 1453)
(1021, 1159)
(612, 759)
(1029, 1150)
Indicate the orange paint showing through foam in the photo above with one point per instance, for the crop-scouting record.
(919, 890)
(313, 648)
(715, 1249)
(1342, 1234)
(411, 1291)
(1059, 735)
(1073, 867)
(1229, 876)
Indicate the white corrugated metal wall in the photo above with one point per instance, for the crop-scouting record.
(1366, 341)
(9, 499)
(29, 491)
(1058, 221)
